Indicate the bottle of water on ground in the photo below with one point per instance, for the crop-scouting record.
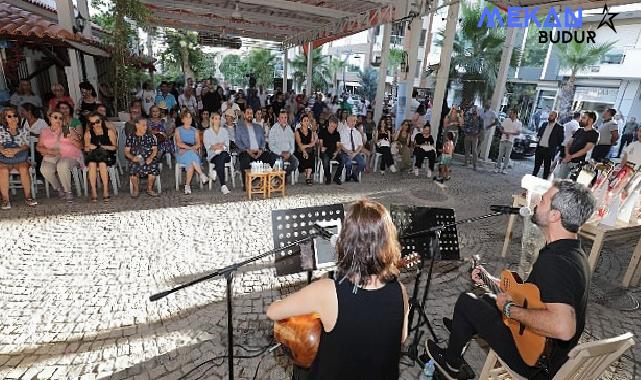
(428, 371)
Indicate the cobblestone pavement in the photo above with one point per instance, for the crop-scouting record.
(76, 278)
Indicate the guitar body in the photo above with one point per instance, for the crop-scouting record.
(527, 296)
(301, 336)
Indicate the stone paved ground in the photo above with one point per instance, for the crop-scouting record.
(75, 279)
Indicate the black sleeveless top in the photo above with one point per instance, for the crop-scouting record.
(365, 343)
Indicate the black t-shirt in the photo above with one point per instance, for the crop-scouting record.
(562, 274)
(580, 139)
(421, 140)
(330, 140)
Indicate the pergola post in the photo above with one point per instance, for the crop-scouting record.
(443, 73)
(412, 63)
(428, 42)
(499, 90)
(285, 59)
(308, 85)
(382, 73)
(64, 10)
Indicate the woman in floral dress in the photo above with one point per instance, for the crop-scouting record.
(141, 150)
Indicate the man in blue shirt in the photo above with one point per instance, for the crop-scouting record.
(165, 96)
(250, 142)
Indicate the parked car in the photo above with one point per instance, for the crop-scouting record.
(524, 145)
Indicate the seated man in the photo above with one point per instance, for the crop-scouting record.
(351, 149)
(282, 144)
(250, 142)
(562, 274)
(330, 141)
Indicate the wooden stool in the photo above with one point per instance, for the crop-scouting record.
(276, 183)
(261, 187)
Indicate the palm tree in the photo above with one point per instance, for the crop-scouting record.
(396, 58)
(261, 63)
(368, 84)
(577, 57)
(320, 70)
(476, 55)
(335, 66)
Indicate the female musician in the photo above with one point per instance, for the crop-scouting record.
(364, 311)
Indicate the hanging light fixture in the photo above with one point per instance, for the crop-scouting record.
(236, 15)
(80, 24)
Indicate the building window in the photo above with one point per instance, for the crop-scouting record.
(614, 57)
(421, 41)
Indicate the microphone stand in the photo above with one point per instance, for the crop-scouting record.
(228, 273)
(415, 305)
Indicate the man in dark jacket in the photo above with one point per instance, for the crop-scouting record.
(550, 139)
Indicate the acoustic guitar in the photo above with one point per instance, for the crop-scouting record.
(300, 335)
(529, 344)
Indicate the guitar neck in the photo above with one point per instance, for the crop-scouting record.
(489, 282)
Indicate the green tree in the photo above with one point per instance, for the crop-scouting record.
(476, 55)
(261, 62)
(534, 54)
(335, 67)
(578, 57)
(320, 70)
(368, 80)
(233, 69)
(184, 56)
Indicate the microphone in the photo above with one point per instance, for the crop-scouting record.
(509, 210)
(324, 232)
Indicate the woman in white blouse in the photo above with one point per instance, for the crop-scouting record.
(216, 141)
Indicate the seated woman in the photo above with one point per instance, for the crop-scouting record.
(60, 149)
(424, 147)
(141, 150)
(216, 141)
(73, 123)
(383, 141)
(101, 145)
(306, 148)
(188, 143)
(157, 126)
(14, 154)
(366, 285)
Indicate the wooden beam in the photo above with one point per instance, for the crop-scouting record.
(296, 6)
(206, 27)
(189, 18)
(226, 12)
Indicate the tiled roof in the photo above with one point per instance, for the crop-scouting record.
(19, 23)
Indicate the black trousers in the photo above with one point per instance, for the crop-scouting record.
(219, 162)
(327, 157)
(543, 155)
(479, 315)
(387, 159)
(420, 157)
(625, 140)
(600, 152)
(244, 161)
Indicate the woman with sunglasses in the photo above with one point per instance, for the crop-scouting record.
(100, 149)
(61, 153)
(14, 154)
(216, 141)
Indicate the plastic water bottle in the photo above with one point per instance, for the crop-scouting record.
(142, 159)
(428, 371)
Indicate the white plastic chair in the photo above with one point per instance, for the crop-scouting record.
(344, 173)
(114, 178)
(15, 183)
(229, 169)
(587, 361)
(179, 169)
(75, 180)
(157, 183)
(320, 172)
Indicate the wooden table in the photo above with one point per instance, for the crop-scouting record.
(276, 183)
(598, 234)
(261, 187)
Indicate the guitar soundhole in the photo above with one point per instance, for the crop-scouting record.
(521, 326)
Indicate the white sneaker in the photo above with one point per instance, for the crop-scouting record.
(392, 169)
(504, 171)
(429, 173)
(204, 179)
(497, 170)
(224, 189)
(382, 172)
(187, 189)
(415, 172)
(6, 205)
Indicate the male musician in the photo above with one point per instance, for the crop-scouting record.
(363, 311)
(562, 274)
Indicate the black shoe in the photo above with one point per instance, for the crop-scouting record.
(354, 178)
(348, 178)
(447, 322)
(338, 181)
(328, 181)
(437, 354)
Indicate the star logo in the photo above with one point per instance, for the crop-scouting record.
(607, 18)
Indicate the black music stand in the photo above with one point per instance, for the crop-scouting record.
(294, 224)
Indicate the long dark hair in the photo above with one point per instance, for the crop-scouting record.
(367, 244)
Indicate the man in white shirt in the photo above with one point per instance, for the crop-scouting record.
(231, 104)
(352, 147)
(187, 99)
(489, 120)
(608, 135)
(568, 130)
(510, 128)
(282, 142)
(632, 152)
